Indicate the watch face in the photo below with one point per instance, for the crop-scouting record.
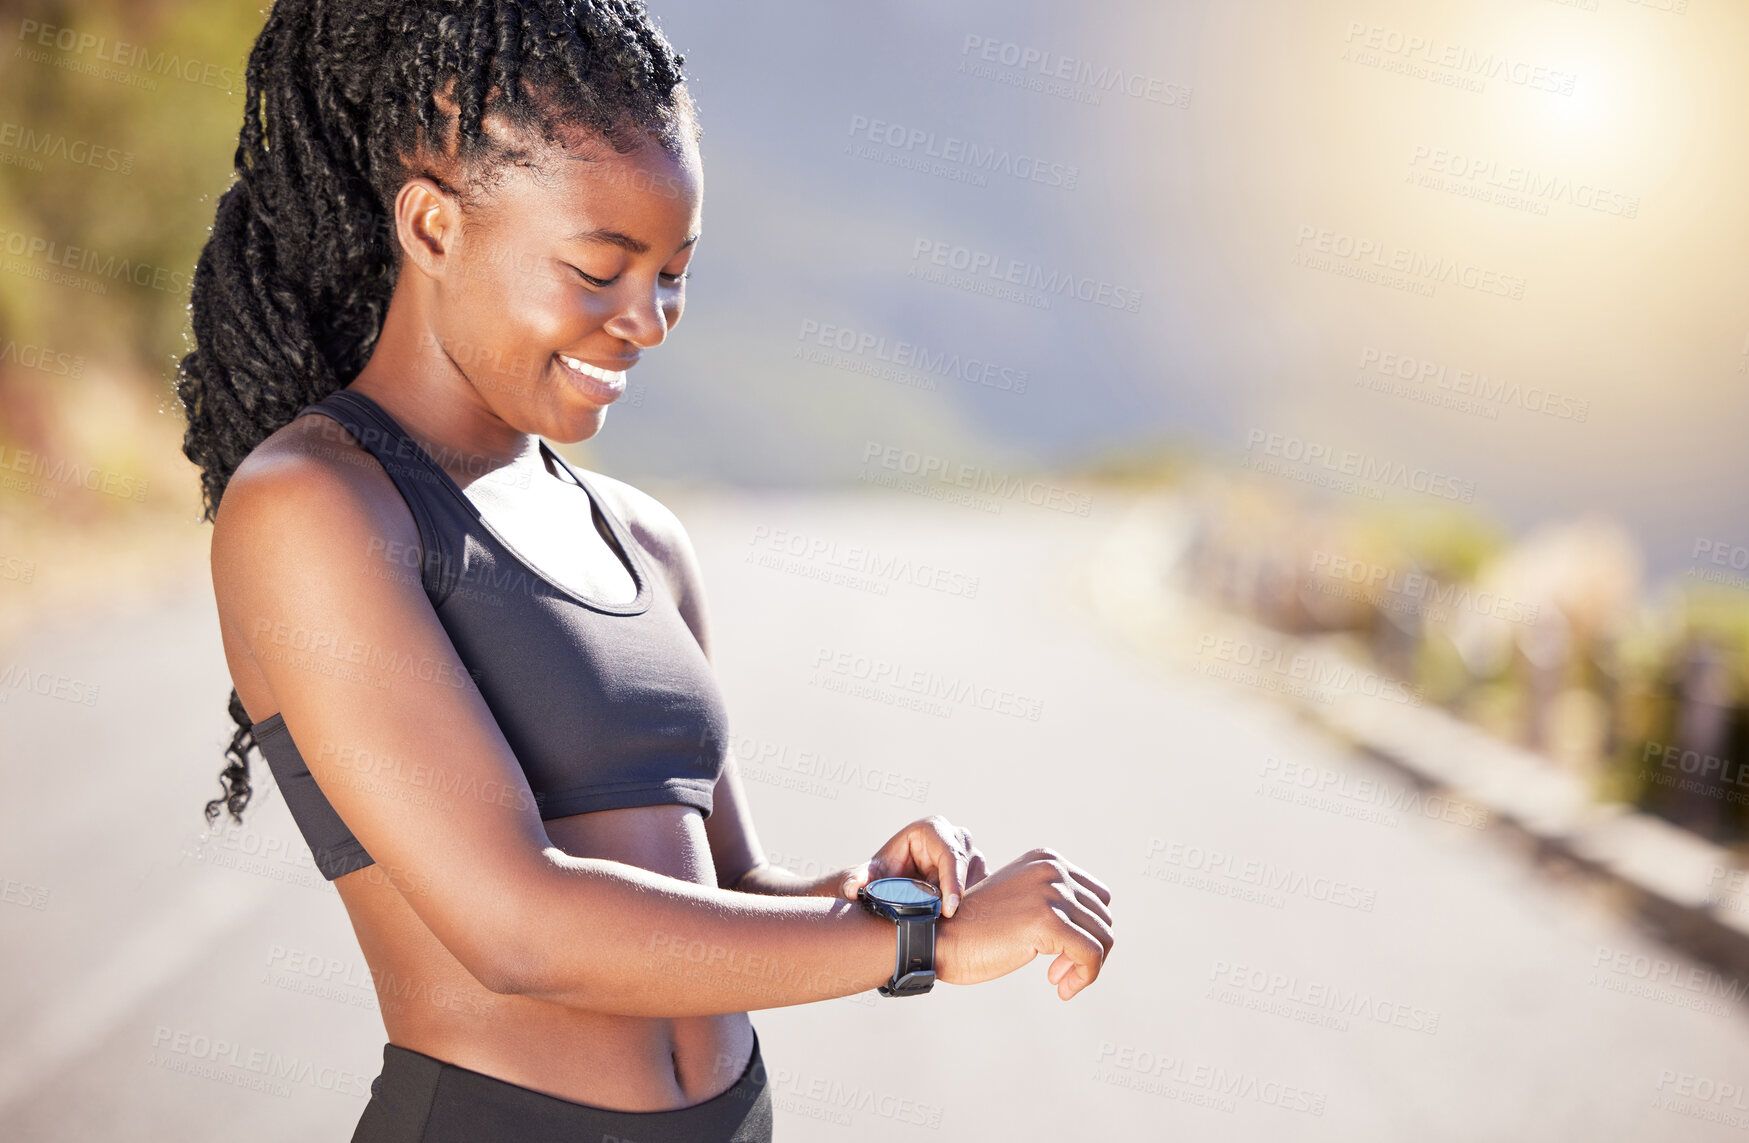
(903, 891)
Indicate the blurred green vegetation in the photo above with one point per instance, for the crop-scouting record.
(1548, 640)
(157, 150)
(118, 129)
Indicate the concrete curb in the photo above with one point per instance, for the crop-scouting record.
(1691, 891)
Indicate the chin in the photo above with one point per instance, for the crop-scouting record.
(576, 424)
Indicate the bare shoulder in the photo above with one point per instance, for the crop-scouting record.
(306, 487)
(302, 465)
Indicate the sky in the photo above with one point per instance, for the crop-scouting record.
(1491, 252)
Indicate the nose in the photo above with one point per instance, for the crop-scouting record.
(641, 321)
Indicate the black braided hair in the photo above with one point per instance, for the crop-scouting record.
(345, 101)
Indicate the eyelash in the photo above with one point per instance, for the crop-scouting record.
(674, 279)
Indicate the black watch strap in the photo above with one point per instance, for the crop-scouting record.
(914, 962)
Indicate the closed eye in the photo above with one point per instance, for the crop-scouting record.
(602, 283)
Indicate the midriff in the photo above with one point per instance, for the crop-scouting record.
(431, 1004)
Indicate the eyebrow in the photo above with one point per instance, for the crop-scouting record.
(623, 241)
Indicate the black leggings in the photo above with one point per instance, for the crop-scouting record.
(421, 1099)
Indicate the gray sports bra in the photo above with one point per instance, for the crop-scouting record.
(604, 705)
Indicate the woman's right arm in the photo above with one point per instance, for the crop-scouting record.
(310, 574)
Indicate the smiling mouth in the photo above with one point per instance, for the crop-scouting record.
(605, 376)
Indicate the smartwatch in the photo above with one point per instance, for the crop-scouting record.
(913, 906)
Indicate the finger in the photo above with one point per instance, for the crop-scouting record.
(1077, 906)
(856, 877)
(902, 856)
(961, 860)
(1059, 968)
(1079, 913)
(1070, 977)
(936, 852)
(1094, 884)
(1079, 959)
(976, 868)
(1092, 904)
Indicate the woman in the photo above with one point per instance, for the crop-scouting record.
(481, 675)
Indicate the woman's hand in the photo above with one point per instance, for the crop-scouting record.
(930, 849)
(1038, 903)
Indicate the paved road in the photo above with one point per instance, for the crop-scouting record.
(1340, 971)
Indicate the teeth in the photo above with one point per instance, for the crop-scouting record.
(611, 378)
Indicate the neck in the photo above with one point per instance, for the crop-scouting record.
(413, 377)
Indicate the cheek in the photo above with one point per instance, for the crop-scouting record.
(543, 307)
(504, 325)
(498, 343)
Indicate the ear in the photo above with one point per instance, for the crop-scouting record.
(427, 220)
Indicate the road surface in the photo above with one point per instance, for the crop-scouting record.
(1341, 967)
